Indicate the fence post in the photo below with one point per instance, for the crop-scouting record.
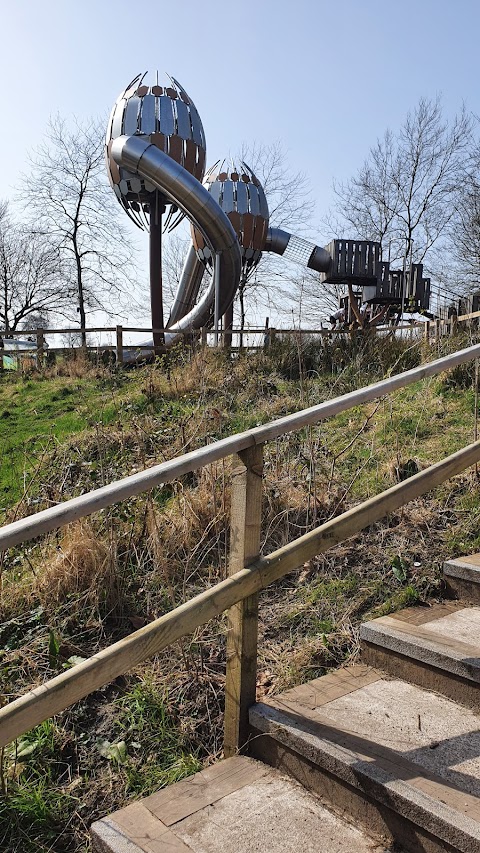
(203, 336)
(40, 347)
(427, 332)
(241, 675)
(453, 325)
(119, 346)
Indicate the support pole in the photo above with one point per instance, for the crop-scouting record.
(156, 295)
(227, 327)
(216, 321)
(119, 346)
(40, 347)
(241, 675)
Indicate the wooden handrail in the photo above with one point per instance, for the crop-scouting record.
(75, 508)
(60, 692)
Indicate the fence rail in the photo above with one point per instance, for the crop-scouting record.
(242, 336)
(248, 571)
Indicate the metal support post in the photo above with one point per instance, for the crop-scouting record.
(216, 321)
(156, 295)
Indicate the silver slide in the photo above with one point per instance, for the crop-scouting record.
(180, 187)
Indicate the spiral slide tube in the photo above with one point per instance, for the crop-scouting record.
(171, 179)
(190, 281)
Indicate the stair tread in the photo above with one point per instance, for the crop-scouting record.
(237, 806)
(386, 733)
(444, 636)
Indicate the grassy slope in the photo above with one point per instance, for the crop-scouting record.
(78, 591)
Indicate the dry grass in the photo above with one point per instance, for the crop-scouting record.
(84, 570)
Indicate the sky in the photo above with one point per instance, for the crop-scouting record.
(323, 78)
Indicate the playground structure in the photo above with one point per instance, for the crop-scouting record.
(156, 154)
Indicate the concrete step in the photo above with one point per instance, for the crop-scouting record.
(396, 758)
(435, 647)
(462, 578)
(236, 806)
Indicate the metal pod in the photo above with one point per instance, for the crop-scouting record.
(241, 196)
(166, 117)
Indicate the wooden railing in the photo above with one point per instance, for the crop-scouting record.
(249, 572)
(251, 338)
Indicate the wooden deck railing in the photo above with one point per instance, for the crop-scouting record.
(249, 572)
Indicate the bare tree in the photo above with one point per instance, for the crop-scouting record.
(174, 251)
(465, 228)
(71, 205)
(405, 194)
(29, 277)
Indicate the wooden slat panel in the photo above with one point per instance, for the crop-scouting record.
(350, 257)
(342, 258)
(175, 148)
(248, 228)
(258, 233)
(190, 156)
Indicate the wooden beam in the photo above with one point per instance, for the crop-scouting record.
(354, 304)
(245, 529)
(472, 316)
(119, 346)
(57, 694)
(40, 347)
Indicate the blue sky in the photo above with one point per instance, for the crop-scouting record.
(324, 78)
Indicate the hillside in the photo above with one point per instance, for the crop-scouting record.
(75, 427)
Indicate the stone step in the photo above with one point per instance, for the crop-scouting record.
(237, 806)
(435, 647)
(462, 578)
(396, 758)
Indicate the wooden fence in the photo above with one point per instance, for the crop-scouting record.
(242, 338)
(249, 572)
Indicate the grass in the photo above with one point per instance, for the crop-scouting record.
(37, 414)
(68, 595)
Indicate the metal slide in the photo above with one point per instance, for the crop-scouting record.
(181, 188)
(278, 241)
(190, 196)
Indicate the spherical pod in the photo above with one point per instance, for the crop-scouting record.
(167, 117)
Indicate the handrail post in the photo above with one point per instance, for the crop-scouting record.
(241, 674)
(119, 346)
